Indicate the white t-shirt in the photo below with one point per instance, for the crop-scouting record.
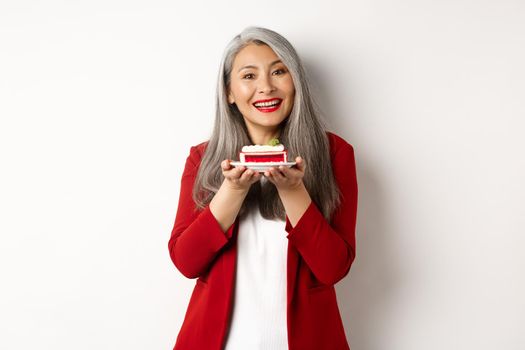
(259, 308)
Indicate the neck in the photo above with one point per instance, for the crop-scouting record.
(263, 137)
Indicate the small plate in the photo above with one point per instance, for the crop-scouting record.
(262, 167)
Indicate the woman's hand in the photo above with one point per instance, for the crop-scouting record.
(238, 178)
(286, 179)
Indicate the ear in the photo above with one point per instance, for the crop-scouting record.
(230, 95)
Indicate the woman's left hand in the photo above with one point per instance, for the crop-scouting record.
(285, 178)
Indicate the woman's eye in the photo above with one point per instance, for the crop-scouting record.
(250, 75)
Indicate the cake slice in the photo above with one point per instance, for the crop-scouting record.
(263, 154)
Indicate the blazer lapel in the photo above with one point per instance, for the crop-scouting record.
(292, 264)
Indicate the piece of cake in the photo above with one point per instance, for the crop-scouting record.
(263, 154)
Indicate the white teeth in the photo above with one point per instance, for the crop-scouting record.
(267, 104)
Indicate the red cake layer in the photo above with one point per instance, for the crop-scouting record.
(263, 157)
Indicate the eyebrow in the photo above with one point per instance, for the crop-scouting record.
(252, 66)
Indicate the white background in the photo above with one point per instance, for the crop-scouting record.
(101, 100)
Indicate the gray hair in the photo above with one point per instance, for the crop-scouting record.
(303, 133)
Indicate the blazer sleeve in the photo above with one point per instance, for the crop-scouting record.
(196, 237)
(329, 249)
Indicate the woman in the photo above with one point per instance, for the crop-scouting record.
(266, 248)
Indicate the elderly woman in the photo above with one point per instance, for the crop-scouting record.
(266, 245)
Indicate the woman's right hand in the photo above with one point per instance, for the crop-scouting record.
(238, 178)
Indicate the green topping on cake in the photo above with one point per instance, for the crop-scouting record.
(273, 142)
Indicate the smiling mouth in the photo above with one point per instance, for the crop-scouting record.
(268, 106)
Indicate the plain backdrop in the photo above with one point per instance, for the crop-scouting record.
(100, 102)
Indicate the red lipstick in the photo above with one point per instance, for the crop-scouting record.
(270, 107)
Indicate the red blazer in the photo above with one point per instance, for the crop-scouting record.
(319, 255)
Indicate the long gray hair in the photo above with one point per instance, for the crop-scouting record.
(303, 133)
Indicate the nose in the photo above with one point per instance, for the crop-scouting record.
(266, 85)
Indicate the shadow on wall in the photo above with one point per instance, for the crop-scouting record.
(365, 295)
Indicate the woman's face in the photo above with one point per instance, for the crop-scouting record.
(258, 74)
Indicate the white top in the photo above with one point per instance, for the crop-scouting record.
(259, 308)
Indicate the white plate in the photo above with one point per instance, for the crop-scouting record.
(262, 167)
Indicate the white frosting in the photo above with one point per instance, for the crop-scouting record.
(263, 148)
